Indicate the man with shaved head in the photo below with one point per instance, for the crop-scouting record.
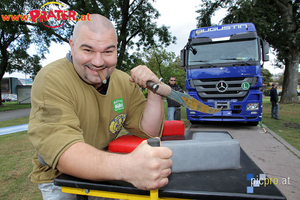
(75, 115)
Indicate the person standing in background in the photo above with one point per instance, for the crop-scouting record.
(274, 101)
(173, 105)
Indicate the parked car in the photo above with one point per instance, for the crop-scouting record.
(9, 97)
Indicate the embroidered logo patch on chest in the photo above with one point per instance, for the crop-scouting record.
(116, 124)
(118, 105)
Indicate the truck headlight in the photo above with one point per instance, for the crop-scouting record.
(252, 106)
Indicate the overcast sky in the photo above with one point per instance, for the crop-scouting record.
(180, 17)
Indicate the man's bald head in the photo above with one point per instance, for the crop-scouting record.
(94, 48)
(98, 24)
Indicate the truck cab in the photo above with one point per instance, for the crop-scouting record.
(223, 70)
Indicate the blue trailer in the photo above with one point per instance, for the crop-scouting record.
(223, 69)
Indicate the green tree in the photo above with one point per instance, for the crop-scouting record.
(32, 66)
(277, 21)
(267, 76)
(178, 72)
(164, 64)
(133, 19)
(16, 36)
(134, 22)
(280, 80)
(15, 39)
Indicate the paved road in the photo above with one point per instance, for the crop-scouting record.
(273, 156)
(14, 114)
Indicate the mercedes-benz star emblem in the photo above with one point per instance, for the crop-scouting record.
(222, 86)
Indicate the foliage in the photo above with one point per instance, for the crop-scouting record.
(208, 9)
(267, 76)
(134, 22)
(17, 36)
(145, 93)
(266, 92)
(276, 21)
(132, 19)
(164, 64)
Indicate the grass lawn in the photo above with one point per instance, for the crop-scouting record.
(13, 106)
(289, 126)
(13, 122)
(15, 158)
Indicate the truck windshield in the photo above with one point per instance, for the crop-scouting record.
(224, 52)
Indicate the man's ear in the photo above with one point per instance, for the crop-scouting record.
(71, 42)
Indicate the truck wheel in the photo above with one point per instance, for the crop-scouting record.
(252, 123)
(195, 122)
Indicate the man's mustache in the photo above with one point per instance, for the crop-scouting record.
(96, 68)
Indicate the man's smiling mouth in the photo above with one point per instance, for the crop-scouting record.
(95, 68)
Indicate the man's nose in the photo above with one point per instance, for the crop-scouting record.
(98, 60)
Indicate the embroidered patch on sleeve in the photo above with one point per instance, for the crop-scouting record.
(116, 124)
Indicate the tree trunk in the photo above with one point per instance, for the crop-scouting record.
(1, 104)
(123, 31)
(3, 66)
(290, 81)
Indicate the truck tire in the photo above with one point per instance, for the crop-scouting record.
(252, 123)
(195, 122)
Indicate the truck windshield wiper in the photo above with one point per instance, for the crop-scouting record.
(199, 61)
(228, 59)
(204, 61)
(239, 60)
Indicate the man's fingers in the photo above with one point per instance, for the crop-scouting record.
(163, 182)
(166, 172)
(141, 74)
(131, 79)
(165, 152)
(152, 168)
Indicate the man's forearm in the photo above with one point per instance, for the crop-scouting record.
(84, 161)
(146, 167)
(153, 114)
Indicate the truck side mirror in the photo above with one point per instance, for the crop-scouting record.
(266, 58)
(265, 50)
(183, 58)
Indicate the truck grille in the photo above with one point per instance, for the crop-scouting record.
(222, 88)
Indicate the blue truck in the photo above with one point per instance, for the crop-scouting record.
(223, 70)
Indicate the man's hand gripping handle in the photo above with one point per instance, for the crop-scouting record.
(161, 88)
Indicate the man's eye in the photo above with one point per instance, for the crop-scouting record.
(88, 50)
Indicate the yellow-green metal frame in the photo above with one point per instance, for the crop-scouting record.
(116, 195)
